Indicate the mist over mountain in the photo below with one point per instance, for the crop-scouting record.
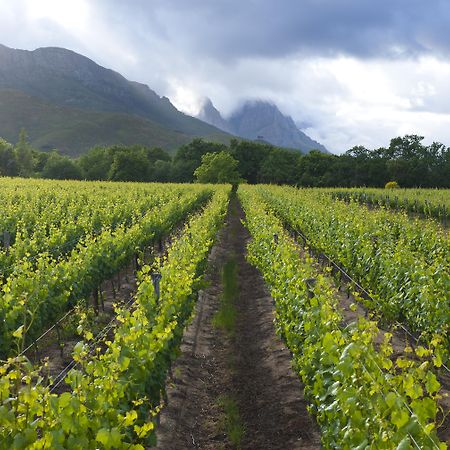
(261, 120)
(57, 77)
(209, 114)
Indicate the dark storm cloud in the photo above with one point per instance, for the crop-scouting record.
(261, 28)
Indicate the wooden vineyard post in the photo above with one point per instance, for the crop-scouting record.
(102, 299)
(95, 300)
(310, 284)
(6, 241)
(60, 342)
(156, 278)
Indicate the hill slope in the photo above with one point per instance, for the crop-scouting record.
(73, 130)
(67, 79)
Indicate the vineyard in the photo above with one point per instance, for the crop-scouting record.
(138, 315)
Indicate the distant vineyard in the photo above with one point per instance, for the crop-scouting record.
(431, 203)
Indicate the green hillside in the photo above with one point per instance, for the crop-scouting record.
(74, 130)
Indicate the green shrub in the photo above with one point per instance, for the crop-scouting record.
(391, 185)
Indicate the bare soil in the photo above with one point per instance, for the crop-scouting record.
(252, 366)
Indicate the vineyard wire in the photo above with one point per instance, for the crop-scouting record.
(340, 269)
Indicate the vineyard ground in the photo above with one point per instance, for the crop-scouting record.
(250, 366)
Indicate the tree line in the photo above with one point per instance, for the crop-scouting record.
(406, 160)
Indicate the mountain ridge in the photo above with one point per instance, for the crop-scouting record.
(73, 130)
(261, 120)
(68, 79)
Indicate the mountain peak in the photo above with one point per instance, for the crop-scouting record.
(256, 115)
(262, 120)
(209, 114)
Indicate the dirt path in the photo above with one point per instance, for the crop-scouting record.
(250, 367)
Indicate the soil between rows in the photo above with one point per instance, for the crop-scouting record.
(252, 366)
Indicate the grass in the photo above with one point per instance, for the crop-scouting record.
(232, 424)
(225, 318)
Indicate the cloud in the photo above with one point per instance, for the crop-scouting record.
(353, 71)
(344, 101)
(260, 28)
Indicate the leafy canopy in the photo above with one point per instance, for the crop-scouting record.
(217, 168)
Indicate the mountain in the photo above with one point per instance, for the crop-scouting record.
(73, 130)
(209, 114)
(55, 77)
(263, 121)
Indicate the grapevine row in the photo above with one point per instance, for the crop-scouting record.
(404, 264)
(116, 393)
(35, 295)
(430, 203)
(359, 395)
(25, 204)
(67, 219)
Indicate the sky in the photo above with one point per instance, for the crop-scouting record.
(349, 72)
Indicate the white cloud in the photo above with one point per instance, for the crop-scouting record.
(73, 16)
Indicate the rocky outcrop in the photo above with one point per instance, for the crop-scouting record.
(209, 114)
(262, 121)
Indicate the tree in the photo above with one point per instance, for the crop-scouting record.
(161, 171)
(59, 167)
(442, 171)
(40, 160)
(8, 162)
(217, 168)
(250, 156)
(129, 165)
(24, 155)
(156, 154)
(279, 167)
(189, 157)
(315, 168)
(160, 164)
(407, 147)
(96, 163)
